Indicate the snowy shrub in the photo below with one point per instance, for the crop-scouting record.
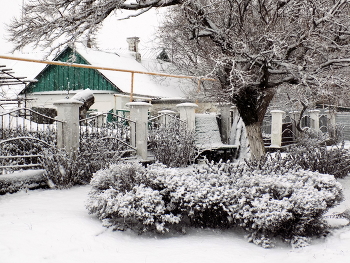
(287, 205)
(173, 144)
(121, 198)
(12, 183)
(61, 169)
(310, 137)
(335, 161)
(265, 202)
(65, 170)
(96, 154)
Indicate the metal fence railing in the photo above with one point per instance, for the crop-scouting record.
(24, 134)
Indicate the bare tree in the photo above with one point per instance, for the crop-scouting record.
(251, 46)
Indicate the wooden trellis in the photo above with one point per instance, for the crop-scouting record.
(7, 77)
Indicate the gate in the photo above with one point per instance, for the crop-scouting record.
(111, 134)
(24, 134)
(289, 132)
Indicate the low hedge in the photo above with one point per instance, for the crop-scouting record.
(17, 181)
(265, 202)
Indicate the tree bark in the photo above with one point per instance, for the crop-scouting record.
(252, 103)
(256, 142)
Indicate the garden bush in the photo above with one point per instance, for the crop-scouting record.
(173, 144)
(334, 160)
(22, 181)
(65, 170)
(265, 202)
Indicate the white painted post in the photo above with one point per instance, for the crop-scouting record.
(68, 135)
(315, 119)
(139, 114)
(276, 128)
(165, 119)
(187, 114)
(225, 122)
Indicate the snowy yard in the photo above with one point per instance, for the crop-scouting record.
(54, 226)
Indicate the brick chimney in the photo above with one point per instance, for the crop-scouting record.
(134, 47)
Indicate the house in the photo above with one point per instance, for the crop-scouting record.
(112, 89)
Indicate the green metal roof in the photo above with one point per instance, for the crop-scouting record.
(63, 78)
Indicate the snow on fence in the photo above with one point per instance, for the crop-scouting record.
(22, 138)
(319, 120)
(164, 117)
(112, 129)
(343, 119)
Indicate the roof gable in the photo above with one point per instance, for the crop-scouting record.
(64, 78)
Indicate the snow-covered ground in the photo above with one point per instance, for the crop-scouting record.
(54, 226)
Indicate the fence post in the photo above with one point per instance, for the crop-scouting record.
(187, 114)
(165, 119)
(139, 114)
(225, 122)
(315, 119)
(276, 128)
(68, 132)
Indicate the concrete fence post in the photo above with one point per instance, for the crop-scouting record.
(68, 135)
(225, 110)
(139, 114)
(315, 119)
(188, 114)
(165, 119)
(276, 128)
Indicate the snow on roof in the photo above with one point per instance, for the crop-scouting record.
(143, 84)
(146, 85)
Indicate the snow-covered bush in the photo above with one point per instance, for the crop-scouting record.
(22, 181)
(173, 144)
(65, 170)
(62, 169)
(121, 196)
(335, 161)
(283, 202)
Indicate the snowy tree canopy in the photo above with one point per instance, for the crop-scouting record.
(254, 47)
(52, 23)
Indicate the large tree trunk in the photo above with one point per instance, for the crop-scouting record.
(252, 103)
(256, 142)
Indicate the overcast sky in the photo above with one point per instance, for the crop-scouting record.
(112, 36)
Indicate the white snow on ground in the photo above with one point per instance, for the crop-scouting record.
(54, 226)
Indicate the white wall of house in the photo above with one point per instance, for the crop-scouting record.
(104, 102)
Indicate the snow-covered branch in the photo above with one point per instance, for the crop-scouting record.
(52, 23)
